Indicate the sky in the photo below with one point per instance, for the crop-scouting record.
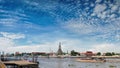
(39, 25)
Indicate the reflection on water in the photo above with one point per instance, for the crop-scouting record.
(71, 63)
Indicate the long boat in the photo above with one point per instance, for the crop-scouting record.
(91, 60)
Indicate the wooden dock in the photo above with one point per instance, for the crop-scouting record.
(21, 64)
(2, 65)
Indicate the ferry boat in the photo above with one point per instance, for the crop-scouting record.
(91, 60)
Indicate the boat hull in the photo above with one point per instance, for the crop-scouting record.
(91, 61)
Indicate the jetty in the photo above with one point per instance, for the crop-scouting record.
(21, 64)
(2, 65)
(18, 63)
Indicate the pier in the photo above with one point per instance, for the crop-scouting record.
(21, 64)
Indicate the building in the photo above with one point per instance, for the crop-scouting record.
(59, 52)
(17, 53)
(87, 54)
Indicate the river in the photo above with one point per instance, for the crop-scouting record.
(72, 63)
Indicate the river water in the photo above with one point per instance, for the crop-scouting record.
(72, 63)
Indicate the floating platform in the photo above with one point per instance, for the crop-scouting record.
(2, 65)
(21, 64)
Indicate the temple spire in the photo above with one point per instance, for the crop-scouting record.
(59, 52)
(59, 45)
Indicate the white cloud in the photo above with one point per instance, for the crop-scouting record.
(8, 45)
(45, 47)
(106, 47)
(19, 13)
(101, 11)
(92, 5)
(93, 14)
(8, 21)
(105, 11)
(113, 16)
(33, 48)
(98, 1)
(99, 8)
(86, 3)
(7, 40)
(11, 18)
(41, 5)
(92, 27)
(67, 45)
(80, 26)
(5, 43)
(105, 26)
(114, 8)
(118, 37)
(12, 35)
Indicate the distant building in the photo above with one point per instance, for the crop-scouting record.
(17, 53)
(52, 54)
(88, 54)
(59, 52)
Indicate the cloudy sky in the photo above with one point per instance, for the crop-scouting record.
(39, 25)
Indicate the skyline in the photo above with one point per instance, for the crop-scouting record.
(80, 25)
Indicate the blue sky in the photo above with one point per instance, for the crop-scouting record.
(39, 25)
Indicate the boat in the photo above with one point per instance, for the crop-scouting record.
(90, 60)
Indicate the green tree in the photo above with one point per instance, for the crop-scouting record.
(108, 54)
(99, 53)
(11, 55)
(113, 53)
(73, 53)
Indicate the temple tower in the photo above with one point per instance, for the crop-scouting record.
(59, 52)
